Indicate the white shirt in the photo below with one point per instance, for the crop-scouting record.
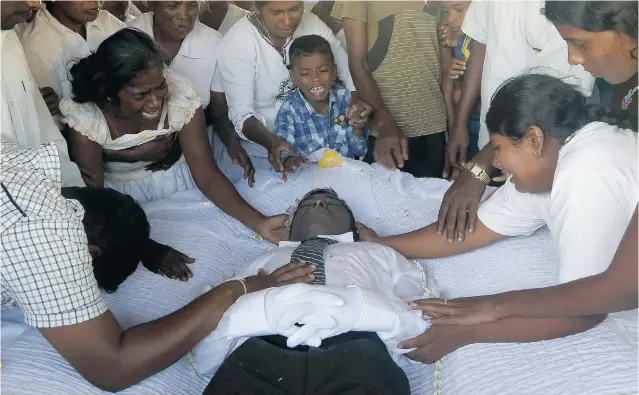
(364, 265)
(26, 120)
(51, 48)
(197, 58)
(233, 15)
(594, 194)
(255, 78)
(517, 38)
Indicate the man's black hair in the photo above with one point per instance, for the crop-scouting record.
(307, 46)
(116, 224)
(330, 191)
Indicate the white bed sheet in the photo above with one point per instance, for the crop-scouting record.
(600, 361)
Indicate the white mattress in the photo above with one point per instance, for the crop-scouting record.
(600, 361)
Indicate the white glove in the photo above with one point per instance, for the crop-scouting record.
(363, 310)
(258, 314)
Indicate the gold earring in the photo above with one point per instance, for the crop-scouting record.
(536, 152)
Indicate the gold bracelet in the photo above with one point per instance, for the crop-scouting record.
(477, 172)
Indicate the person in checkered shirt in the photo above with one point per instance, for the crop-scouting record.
(49, 271)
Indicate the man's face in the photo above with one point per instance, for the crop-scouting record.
(320, 214)
(13, 13)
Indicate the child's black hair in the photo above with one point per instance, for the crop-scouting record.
(552, 105)
(118, 226)
(125, 55)
(307, 46)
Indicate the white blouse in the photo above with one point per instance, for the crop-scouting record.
(88, 120)
(51, 48)
(255, 78)
(594, 194)
(197, 58)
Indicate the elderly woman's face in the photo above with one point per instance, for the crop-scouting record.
(176, 18)
(604, 54)
(142, 99)
(281, 18)
(531, 162)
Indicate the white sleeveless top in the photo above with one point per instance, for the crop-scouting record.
(88, 120)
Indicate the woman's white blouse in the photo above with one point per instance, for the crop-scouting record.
(197, 58)
(88, 120)
(255, 78)
(51, 48)
(594, 194)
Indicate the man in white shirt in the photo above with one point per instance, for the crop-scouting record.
(517, 37)
(26, 119)
(52, 48)
(375, 281)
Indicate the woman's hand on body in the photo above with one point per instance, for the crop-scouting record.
(292, 273)
(292, 163)
(458, 212)
(167, 261)
(366, 233)
(273, 228)
(457, 69)
(462, 311)
(238, 155)
(437, 342)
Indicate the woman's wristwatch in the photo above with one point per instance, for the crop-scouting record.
(477, 172)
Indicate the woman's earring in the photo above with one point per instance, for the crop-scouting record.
(535, 152)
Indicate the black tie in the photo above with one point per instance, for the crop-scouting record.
(312, 252)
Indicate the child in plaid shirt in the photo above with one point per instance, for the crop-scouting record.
(318, 114)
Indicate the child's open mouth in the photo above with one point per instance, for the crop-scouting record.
(317, 90)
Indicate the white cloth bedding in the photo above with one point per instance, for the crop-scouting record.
(600, 361)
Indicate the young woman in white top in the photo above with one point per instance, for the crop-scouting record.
(191, 49)
(254, 70)
(586, 27)
(60, 34)
(572, 167)
(125, 104)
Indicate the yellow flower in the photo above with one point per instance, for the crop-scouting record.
(330, 159)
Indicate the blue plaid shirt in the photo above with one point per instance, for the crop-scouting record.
(307, 131)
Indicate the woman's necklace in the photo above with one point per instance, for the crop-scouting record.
(625, 102)
(262, 29)
(117, 133)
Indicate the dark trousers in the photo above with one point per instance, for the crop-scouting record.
(425, 155)
(355, 363)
